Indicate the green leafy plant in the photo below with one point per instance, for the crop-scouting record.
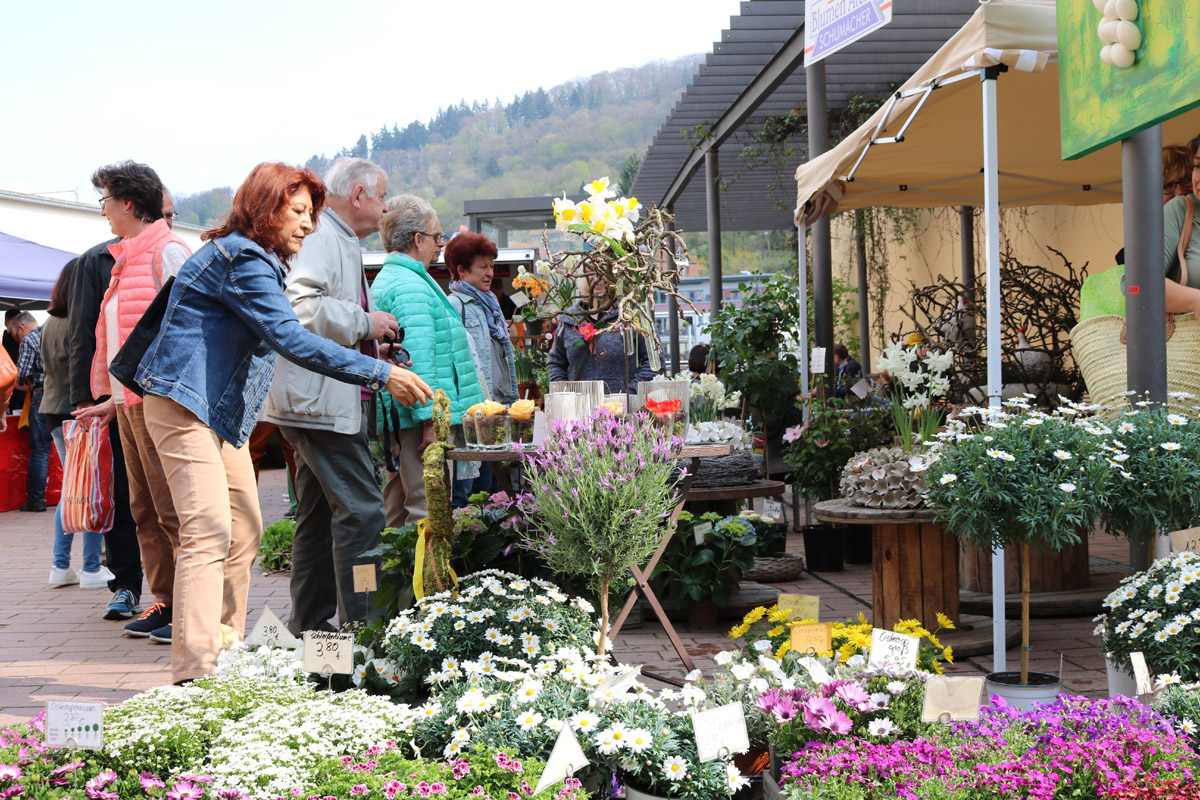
(837, 428)
(708, 566)
(275, 548)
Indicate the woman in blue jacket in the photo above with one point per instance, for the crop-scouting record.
(205, 378)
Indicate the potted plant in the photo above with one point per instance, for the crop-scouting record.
(703, 573)
(599, 493)
(1023, 479)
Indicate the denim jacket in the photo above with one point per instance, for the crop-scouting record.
(226, 323)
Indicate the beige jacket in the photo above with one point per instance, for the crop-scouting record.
(325, 286)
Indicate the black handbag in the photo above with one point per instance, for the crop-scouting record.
(125, 363)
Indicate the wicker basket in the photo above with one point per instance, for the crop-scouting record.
(775, 569)
(1101, 357)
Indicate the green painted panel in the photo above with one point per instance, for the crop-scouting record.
(1101, 104)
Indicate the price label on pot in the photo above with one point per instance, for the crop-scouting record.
(772, 509)
(816, 637)
(519, 299)
(565, 760)
(328, 652)
(270, 632)
(897, 649)
(720, 732)
(702, 530)
(802, 606)
(77, 725)
(1141, 673)
(364, 578)
(948, 699)
(816, 364)
(1186, 541)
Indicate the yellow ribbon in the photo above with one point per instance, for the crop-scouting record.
(419, 566)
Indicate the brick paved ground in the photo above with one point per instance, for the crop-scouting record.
(55, 645)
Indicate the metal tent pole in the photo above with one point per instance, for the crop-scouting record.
(818, 143)
(864, 302)
(991, 211)
(673, 314)
(712, 174)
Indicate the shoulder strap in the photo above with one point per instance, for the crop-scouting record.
(462, 308)
(156, 267)
(1185, 237)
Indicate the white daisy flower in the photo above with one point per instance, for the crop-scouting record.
(584, 721)
(1067, 487)
(529, 720)
(1171, 446)
(881, 727)
(949, 477)
(1062, 455)
(674, 768)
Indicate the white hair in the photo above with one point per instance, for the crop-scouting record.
(406, 216)
(346, 173)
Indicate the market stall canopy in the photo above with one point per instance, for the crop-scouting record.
(28, 271)
(939, 159)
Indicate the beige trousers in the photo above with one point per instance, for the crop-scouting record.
(150, 502)
(404, 491)
(216, 498)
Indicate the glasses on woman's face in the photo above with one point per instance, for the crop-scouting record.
(438, 238)
(106, 197)
(1182, 186)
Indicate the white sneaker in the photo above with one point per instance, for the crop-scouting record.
(63, 577)
(95, 580)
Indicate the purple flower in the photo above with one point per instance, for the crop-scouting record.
(150, 781)
(185, 790)
(359, 789)
(10, 772)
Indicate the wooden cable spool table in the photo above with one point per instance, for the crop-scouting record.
(915, 562)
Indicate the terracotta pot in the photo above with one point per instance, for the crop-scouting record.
(529, 391)
(702, 614)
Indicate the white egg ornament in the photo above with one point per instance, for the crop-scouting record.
(1127, 10)
(1110, 10)
(1106, 54)
(1121, 55)
(1128, 35)
(1100, 4)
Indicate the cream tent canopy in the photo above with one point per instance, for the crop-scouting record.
(940, 160)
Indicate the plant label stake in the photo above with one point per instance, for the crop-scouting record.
(519, 299)
(816, 364)
(949, 699)
(1186, 541)
(720, 730)
(75, 725)
(773, 509)
(270, 632)
(890, 647)
(1141, 673)
(565, 759)
(328, 653)
(700, 531)
(365, 581)
(616, 685)
(861, 389)
(812, 638)
(802, 606)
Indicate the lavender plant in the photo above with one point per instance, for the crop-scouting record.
(600, 495)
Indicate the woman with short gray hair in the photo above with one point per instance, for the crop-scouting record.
(434, 337)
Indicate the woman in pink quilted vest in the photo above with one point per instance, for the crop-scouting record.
(131, 198)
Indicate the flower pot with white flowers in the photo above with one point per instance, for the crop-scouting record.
(1020, 479)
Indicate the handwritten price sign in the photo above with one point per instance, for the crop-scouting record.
(897, 649)
(815, 637)
(802, 606)
(270, 632)
(76, 725)
(720, 732)
(328, 652)
(1186, 541)
(949, 699)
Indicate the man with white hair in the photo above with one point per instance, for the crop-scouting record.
(339, 511)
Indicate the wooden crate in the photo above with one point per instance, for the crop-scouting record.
(916, 573)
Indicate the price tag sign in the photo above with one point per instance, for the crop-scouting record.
(861, 388)
(720, 732)
(364, 578)
(617, 684)
(519, 299)
(949, 699)
(539, 428)
(565, 760)
(1141, 673)
(701, 530)
(814, 636)
(773, 509)
(1186, 541)
(270, 632)
(897, 649)
(76, 725)
(329, 652)
(816, 364)
(802, 606)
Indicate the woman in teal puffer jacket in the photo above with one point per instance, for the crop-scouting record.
(434, 337)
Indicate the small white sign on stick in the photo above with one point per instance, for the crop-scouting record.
(73, 724)
(700, 531)
(816, 364)
(329, 652)
(617, 684)
(890, 647)
(519, 299)
(364, 578)
(270, 632)
(861, 389)
(720, 732)
(949, 699)
(772, 508)
(1141, 673)
(565, 760)
(1186, 541)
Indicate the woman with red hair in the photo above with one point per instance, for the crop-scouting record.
(205, 377)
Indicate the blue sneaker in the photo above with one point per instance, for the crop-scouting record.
(150, 621)
(162, 635)
(122, 606)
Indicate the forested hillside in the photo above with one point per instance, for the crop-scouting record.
(543, 142)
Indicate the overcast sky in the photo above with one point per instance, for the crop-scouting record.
(204, 91)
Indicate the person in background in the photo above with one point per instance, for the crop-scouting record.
(1177, 178)
(93, 273)
(6, 387)
(30, 377)
(471, 259)
(339, 507)
(206, 375)
(434, 337)
(698, 359)
(846, 371)
(56, 409)
(1183, 295)
(581, 353)
(16, 400)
